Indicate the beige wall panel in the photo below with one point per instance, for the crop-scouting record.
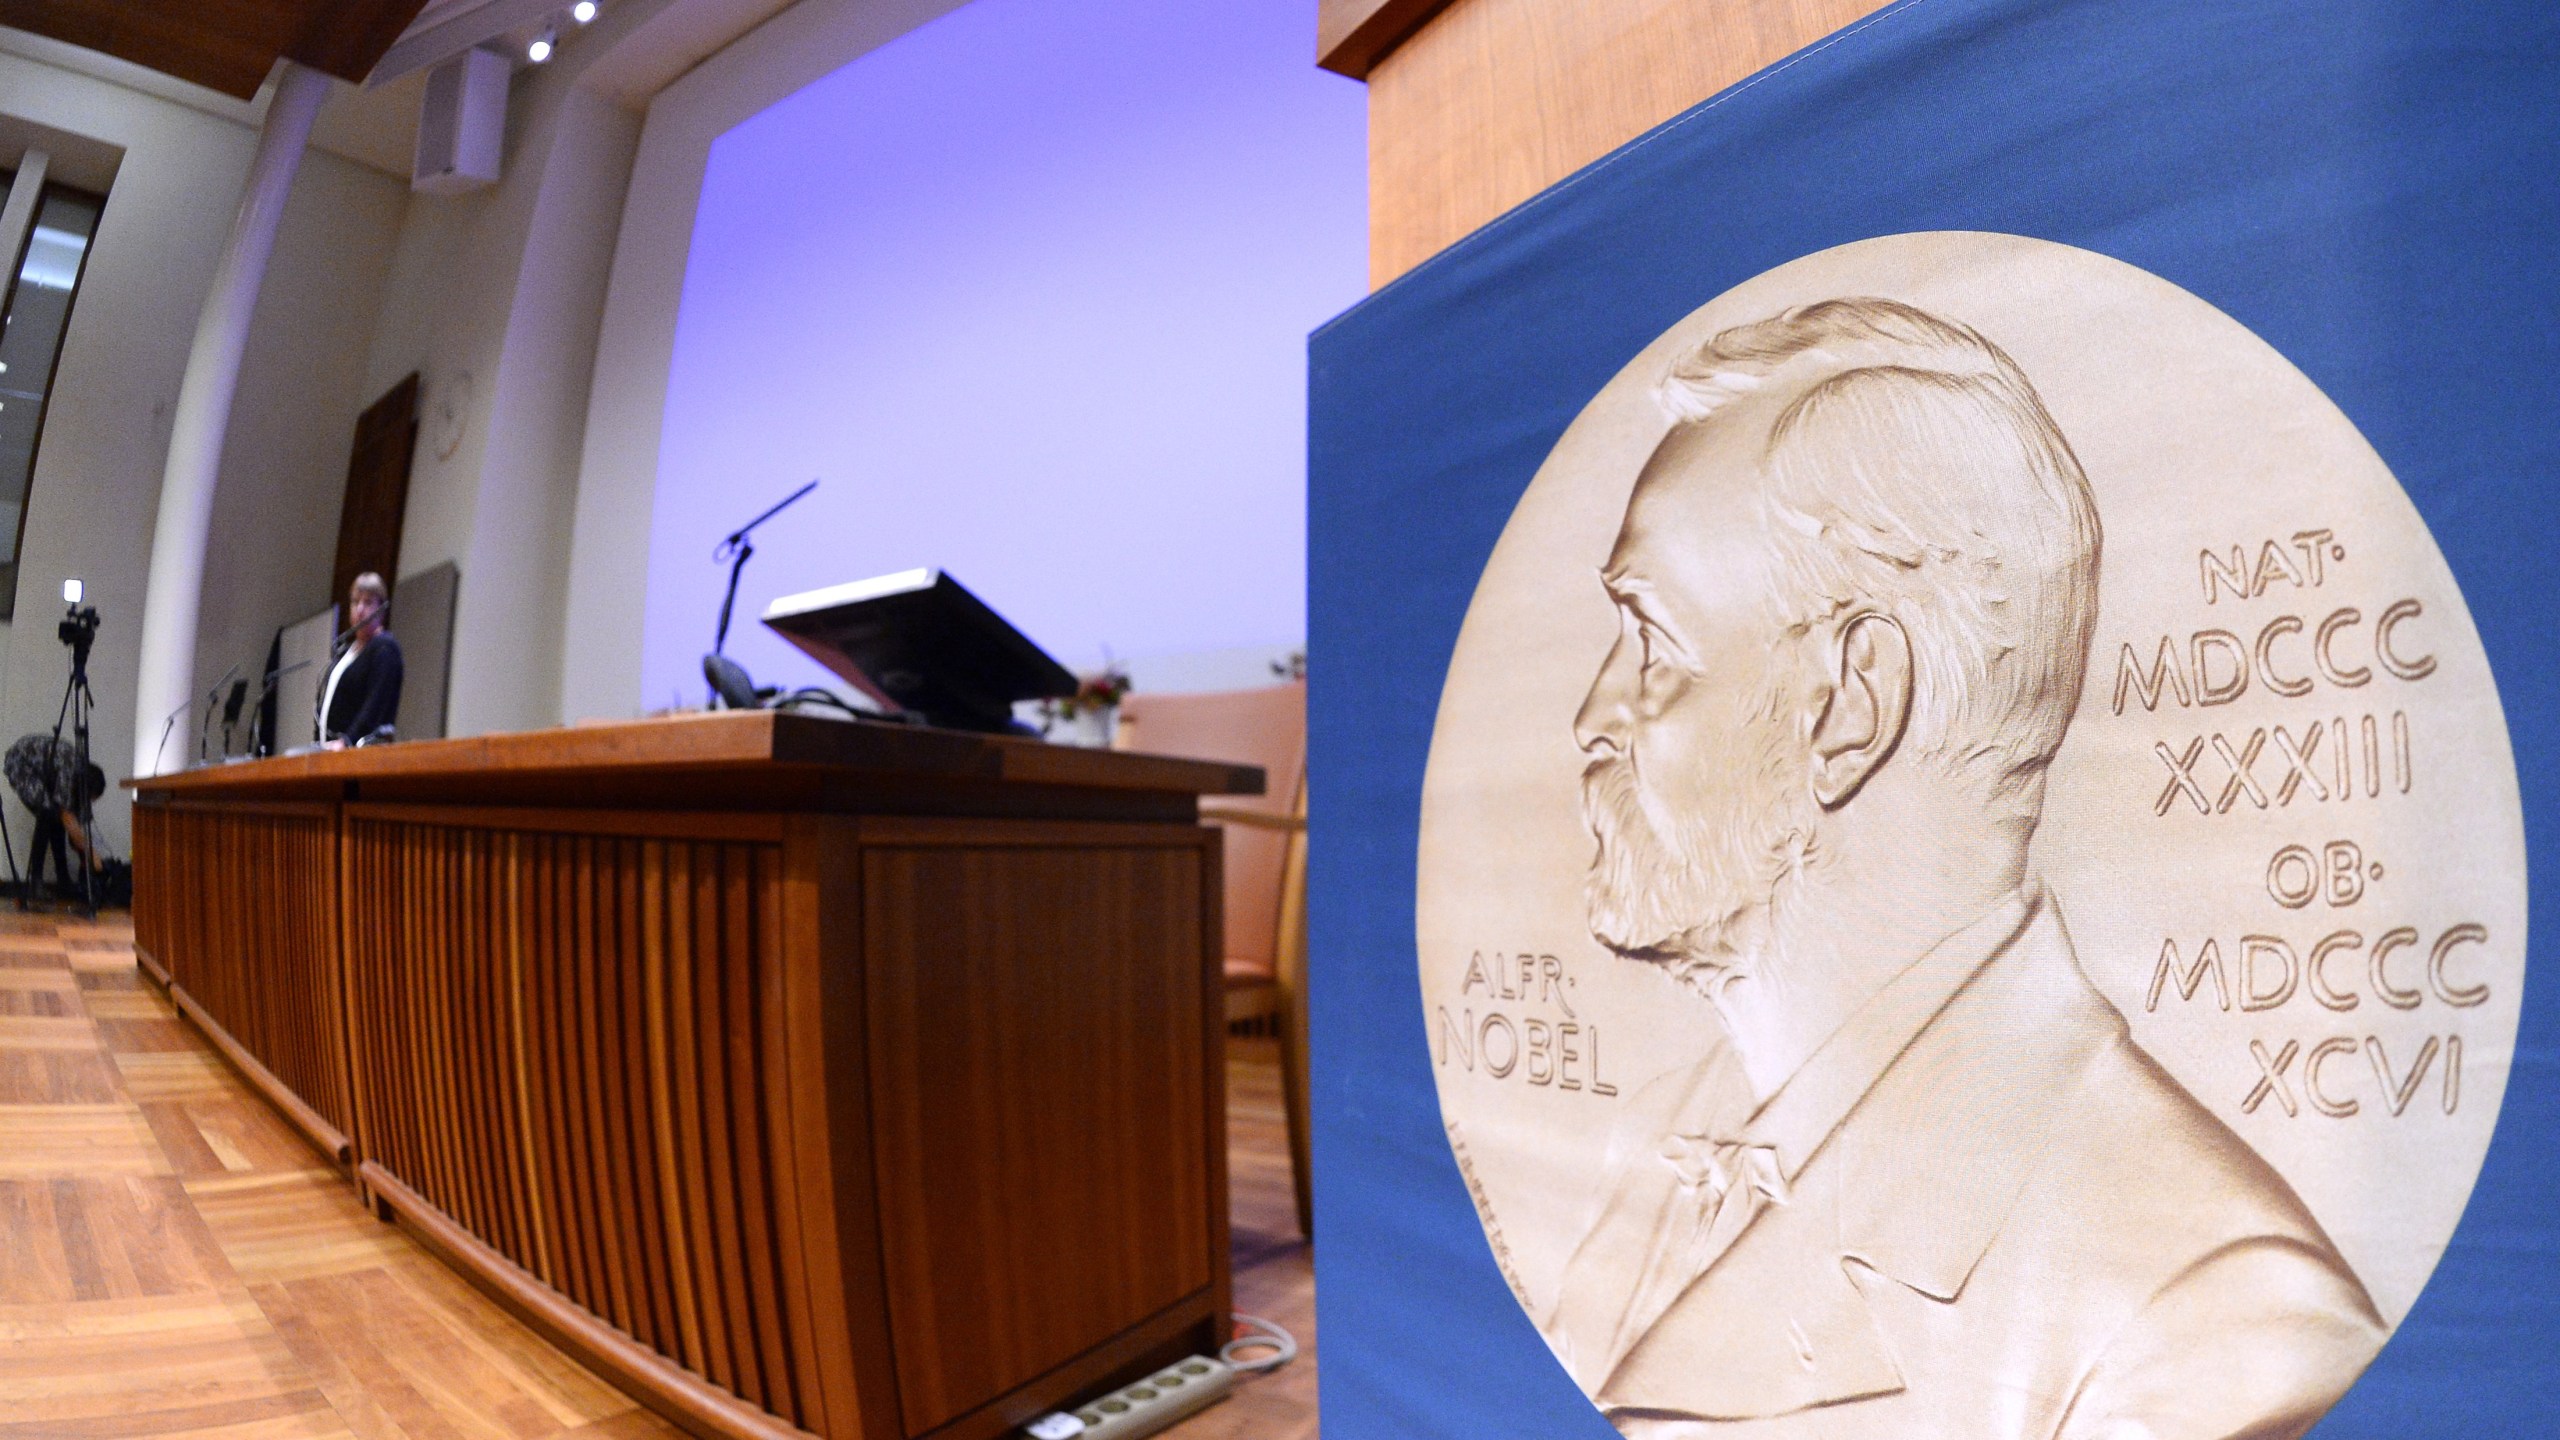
(1494, 100)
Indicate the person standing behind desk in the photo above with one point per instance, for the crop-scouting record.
(363, 691)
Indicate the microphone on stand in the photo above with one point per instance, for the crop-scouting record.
(728, 679)
(166, 727)
(213, 697)
(381, 619)
(231, 712)
(268, 687)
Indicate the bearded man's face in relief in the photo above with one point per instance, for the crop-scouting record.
(1698, 723)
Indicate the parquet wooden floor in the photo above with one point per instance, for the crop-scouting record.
(175, 1261)
(1275, 1267)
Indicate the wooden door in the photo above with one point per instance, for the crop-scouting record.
(377, 488)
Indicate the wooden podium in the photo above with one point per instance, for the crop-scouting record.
(803, 1076)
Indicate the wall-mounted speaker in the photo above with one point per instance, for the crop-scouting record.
(462, 127)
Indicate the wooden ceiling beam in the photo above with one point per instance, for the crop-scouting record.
(346, 40)
(214, 56)
(225, 45)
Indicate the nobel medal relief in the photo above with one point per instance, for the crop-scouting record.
(1971, 875)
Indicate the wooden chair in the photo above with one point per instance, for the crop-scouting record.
(1266, 864)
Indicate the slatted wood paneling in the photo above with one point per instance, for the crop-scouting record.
(246, 929)
(646, 1076)
(571, 1044)
(1038, 1024)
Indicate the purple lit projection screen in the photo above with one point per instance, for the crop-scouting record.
(1029, 290)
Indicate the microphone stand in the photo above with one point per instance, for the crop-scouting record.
(166, 727)
(736, 551)
(231, 714)
(320, 697)
(267, 688)
(213, 697)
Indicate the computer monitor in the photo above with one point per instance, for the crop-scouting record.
(918, 641)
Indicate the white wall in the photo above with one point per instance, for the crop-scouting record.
(495, 298)
(515, 582)
(274, 537)
(97, 479)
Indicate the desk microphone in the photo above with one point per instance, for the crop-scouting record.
(275, 675)
(162, 748)
(728, 681)
(213, 697)
(338, 642)
(267, 688)
(231, 712)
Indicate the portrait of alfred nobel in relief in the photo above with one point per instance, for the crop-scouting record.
(1927, 1185)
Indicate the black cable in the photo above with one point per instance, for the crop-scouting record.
(816, 695)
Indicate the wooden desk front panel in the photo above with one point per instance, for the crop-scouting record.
(569, 1039)
(798, 1125)
(1049, 1159)
(239, 910)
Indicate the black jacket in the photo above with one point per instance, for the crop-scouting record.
(368, 696)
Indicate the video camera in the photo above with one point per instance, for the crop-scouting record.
(79, 627)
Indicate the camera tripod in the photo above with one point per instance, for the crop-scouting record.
(78, 630)
(77, 702)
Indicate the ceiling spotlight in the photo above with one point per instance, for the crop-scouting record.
(543, 44)
(583, 11)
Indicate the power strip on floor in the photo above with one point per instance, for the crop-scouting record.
(1176, 1392)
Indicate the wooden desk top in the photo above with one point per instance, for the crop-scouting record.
(735, 760)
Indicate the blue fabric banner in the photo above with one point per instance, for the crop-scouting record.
(2267, 294)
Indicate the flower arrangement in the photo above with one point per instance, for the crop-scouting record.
(1094, 694)
(1089, 716)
